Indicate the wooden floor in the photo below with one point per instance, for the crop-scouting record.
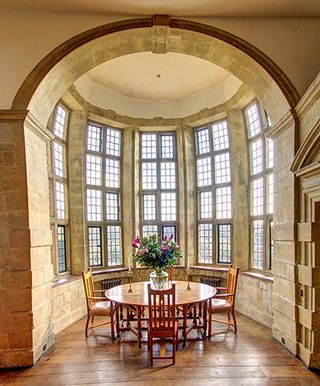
(251, 357)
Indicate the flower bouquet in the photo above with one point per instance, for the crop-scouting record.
(153, 252)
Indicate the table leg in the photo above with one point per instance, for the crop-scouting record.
(184, 327)
(117, 321)
(139, 325)
(205, 322)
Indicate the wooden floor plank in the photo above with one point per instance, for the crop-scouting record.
(252, 357)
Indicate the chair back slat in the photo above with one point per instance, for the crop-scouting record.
(232, 284)
(88, 286)
(161, 307)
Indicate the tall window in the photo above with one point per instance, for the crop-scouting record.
(261, 188)
(59, 171)
(214, 193)
(103, 173)
(158, 182)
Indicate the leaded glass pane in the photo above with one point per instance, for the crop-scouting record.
(253, 121)
(269, 152)
(94, 205)
(222, 168)
(113, 142)
(60, 120)
(149, 207)
(257, 244)
(168, 206)
(94, 138)
(224, 243)
(112, 206)
(205, 204)
(203, 141)
(114, 245)
(257, 197)
(148, 146)
(167, 146)
(60, 201)
(261, 204)
(149, 175)
(256, 155)
(158, 176)
(148, 230)
(58, 159)
(112, 173)
(94, 170)
(62, 258)
(168, 175)
(95, 246)
(223, 202)
(168, 231)
(204, 171)
(270, 193)
(220, 136)
(104, 170)
(205, 239)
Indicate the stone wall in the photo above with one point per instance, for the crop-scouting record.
(68, 303)
(283, 267)
(37, 139)
(254, 299)
(15, 284)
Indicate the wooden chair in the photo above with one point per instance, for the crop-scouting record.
(96, 305)
(162, 322)
(224, 302)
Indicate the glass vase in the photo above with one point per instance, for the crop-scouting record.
(159, 279)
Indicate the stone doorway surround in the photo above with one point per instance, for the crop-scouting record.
(306, 167)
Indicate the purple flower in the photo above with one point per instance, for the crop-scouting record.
(165, 247)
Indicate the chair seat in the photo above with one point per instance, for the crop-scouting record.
(220, 305)
(164, 331)
(224, 303)
(100, 309)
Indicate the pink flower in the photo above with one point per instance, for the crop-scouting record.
(136, 243)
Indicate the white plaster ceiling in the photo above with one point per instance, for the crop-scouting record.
(168, 76)
(219, 8)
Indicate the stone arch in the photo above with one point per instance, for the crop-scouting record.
(40, 91)
(160, 33)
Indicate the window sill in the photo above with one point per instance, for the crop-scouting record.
(212, 269)
(102, 271)
(64, 280)
(259, 276)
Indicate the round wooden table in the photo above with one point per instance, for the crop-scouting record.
(186, 299)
